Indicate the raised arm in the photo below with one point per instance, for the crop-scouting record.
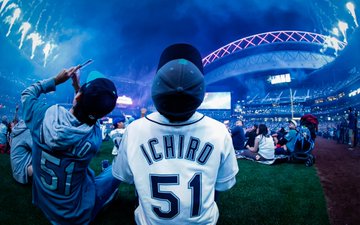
(30, 96)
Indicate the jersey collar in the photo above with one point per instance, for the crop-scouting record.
(156, 117)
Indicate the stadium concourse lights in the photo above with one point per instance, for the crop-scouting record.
(354, 93)
(124, 100)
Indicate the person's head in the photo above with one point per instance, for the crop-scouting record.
(350, 109)
(292, 124)
(119, 122)
(239, 123)
(12, 125)
(178, 87)
(255, 127)
(4, 119)
(95, 99)
(262, 129)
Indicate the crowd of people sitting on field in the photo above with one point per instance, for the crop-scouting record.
(263, 142)
(259, 143)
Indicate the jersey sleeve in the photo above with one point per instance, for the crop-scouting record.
(32, 107)
(228, 167)
(120, 167)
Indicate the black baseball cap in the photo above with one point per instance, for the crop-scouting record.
(178, 87)
(119, 119)
(181, 51)
(98, 98)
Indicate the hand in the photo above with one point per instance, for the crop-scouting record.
(76, 81)
(64, 75)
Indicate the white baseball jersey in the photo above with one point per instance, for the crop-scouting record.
(176, 168)
(116, 135)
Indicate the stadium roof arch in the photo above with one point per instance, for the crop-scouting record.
(275, 50)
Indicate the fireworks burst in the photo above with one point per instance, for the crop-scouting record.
(11, 19)
(36, 41)
(350, 6)
(47, 50)
(24, 28)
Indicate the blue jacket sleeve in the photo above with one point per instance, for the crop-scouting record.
(32, 107)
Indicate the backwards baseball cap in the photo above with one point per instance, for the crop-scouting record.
(293, 121)
(178, 88)
(98, 98)
(181, 51)
(119, 119)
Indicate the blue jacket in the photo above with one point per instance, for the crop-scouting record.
(238, 137)
(63, 184)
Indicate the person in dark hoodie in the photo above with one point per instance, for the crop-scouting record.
(64, 143)
(20, 154)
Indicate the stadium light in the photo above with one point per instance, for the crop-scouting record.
(281, 78)
(354, 93)
(124, 100)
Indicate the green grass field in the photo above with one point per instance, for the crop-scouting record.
(278, 194)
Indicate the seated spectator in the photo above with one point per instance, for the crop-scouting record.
(279, 134)
(12, 124)
(251, 134)
(65, 141)
(117, 133)
(264, 147)
(287, 143)
(4, 131)
(103, 130)
(20, 154)
(238, 136)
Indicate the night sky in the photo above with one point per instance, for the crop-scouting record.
(126, 38)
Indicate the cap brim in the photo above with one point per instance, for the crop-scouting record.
(94, 75)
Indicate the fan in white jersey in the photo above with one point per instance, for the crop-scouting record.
(117, 133)
(176, 157)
